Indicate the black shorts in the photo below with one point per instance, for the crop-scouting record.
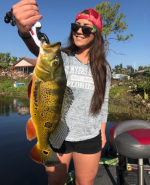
(89, 146)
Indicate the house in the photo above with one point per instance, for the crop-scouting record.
(120, 76)
(25, 65)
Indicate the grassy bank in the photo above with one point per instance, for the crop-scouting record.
(128, 102)
(125, 101)
(7, 86)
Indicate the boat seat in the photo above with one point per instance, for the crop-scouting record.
(131, 138)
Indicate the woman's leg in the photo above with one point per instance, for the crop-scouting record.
(57, 175)
(86, 167)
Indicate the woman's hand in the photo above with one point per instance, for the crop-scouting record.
(103, 135)
(26, 13)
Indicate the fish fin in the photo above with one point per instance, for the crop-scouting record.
(30, 130)
(51, 159)
(36, 154)
(29, 89)
(67, 101)
(59, 134)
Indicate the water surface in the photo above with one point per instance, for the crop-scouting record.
(16, 167)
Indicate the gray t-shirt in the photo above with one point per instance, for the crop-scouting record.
(81, 124)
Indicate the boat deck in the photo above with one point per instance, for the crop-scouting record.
(108, 175)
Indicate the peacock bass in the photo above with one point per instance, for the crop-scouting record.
(46, 93)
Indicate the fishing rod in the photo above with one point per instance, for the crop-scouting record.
(35, 30)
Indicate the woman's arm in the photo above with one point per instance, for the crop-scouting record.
(31, 46)
(104, 109)
(103, 134)
(26, 13)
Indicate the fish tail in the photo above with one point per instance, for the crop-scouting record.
(50, 158)
(46, 157)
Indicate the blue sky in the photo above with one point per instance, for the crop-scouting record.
(57, 16)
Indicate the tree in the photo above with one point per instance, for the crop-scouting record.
(112, 22)
(2, 56)
(14, 59)
(118, 68)
(5, 57)
(4, 65)
(130, 69)
(143, 67)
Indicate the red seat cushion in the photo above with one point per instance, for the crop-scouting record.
(141, 135)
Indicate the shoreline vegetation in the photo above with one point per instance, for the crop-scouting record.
(127, 99)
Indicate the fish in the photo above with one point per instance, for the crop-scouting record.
(46, 92)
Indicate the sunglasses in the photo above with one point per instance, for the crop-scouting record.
(85, 29)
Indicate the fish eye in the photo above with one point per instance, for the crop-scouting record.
(54, 63)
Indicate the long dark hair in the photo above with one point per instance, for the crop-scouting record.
(98, 66)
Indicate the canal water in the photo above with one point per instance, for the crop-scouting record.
(16, 167)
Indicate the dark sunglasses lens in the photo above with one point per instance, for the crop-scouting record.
(74, 27)
(86, 30)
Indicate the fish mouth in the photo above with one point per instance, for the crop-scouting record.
(41, 69)
(50, 47)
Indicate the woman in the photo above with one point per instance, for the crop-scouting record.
(88, 75)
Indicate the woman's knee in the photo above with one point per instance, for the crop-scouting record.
(56, 175)
(86, 167)
(85, 180)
